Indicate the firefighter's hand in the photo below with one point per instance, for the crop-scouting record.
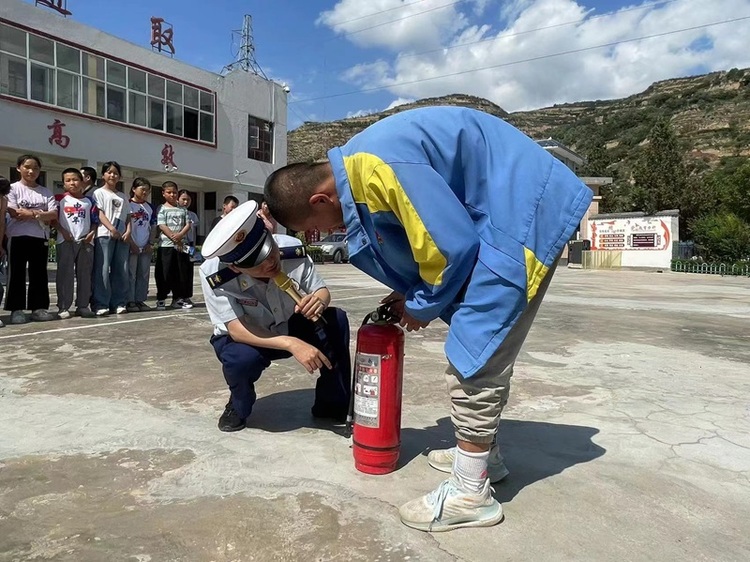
(410, 323)
(309, 356)
(395, 303)
(311, 307)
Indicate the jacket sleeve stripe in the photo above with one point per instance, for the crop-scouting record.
(383, 193)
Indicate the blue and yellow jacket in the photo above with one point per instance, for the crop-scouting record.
(460, 212)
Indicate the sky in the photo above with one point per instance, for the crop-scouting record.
(352, 57)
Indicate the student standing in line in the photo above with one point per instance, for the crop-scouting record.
(76, 228)
(173, 224)
(230, 203)
(31, 207)
(4, 190)
(143, 230)
(89, 180)
(191, 239)
(111, 248)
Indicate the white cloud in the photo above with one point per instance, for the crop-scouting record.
(360, 113)
(398, 101)
(520, 46)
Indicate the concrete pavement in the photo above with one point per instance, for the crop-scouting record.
(627, 436)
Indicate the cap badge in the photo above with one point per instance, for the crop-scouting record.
(240, 236)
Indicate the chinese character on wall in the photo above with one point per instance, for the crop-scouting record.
(60, 6)
(57, 135)
(161, 37)
(167, 158)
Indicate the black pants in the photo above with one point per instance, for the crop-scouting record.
(31, 252)
(170, 273)
(243, 364)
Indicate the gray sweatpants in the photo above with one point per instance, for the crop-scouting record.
(139, 269)
(478, 401)
(75, 261)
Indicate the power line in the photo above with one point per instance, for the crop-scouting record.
(532, 59)
(524, 32)
(348, 33)
(380, 12)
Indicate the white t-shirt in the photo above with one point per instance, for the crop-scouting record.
(142, 219)
(174, 218)
(36, 199)
(75, 216)
(116, 209)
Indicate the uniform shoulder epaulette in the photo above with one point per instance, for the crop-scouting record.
(293, 252)
(224, 275)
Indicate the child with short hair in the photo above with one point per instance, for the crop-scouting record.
(76, 227)
(111, 248)
(191, 239)
(89, 180)
(4, 190)
(31, 207)
(173, 224)
(142, 228)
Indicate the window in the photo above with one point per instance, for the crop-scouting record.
(116, 103)
(67, 90)
(41, 49)
(42, 83)
(137, 109)
(259, 139)
(68, 58)
(209, 200)
(93, 97)
(12, 40)
(12, 76)
(46, 71)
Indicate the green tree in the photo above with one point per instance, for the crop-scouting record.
(597, 162)
(660, 176)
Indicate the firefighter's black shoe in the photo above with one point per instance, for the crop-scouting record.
(334, 412)
(230, 419)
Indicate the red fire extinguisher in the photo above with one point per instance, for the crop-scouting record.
(375, 406)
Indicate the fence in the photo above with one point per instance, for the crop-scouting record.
(711, 268)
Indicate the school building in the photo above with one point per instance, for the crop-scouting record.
(76, 96)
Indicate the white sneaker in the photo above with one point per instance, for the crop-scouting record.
(63, 314)
(449, 507)
(442, 460)
(121, 309)
(102, 312)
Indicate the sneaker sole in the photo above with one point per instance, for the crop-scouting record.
(494, 478)
(457, 523)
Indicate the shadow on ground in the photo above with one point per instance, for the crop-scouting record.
(533, 450)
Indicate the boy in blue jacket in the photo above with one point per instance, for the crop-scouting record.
(464, 217)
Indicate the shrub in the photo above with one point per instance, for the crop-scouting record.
(722, 237)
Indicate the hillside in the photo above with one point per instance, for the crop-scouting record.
(710, 114)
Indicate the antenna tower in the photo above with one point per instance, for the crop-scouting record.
(246, 54)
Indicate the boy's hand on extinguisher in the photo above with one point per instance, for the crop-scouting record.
(395, 303)
(410, 323)
(309, 356)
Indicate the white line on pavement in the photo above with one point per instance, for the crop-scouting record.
(102, 324)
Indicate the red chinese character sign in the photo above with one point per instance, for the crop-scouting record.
(161, 36)
(167, 158)
(57, 137)
(60, 6)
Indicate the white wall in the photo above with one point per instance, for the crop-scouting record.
(642, 241)
(238, 95)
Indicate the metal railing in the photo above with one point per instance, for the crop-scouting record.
(711, 268)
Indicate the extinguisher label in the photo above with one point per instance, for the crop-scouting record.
(367, 390)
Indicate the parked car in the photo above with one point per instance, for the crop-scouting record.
(334, 247)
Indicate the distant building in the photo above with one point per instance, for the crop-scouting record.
(575, 162)
(79, 97)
